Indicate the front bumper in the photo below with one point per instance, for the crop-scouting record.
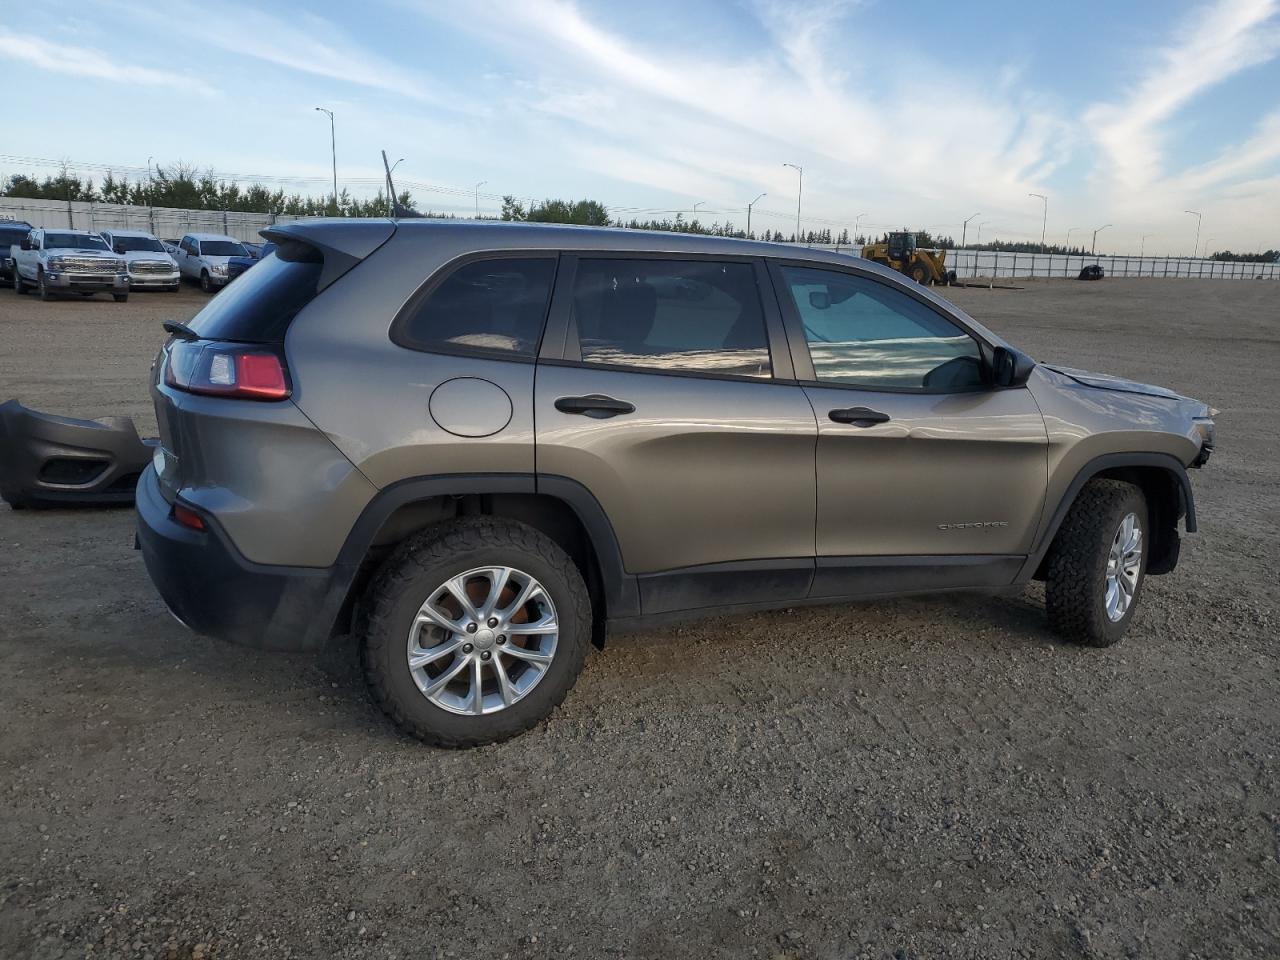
(213, 590)
(48, 460)
(147, 281)
(87, 282)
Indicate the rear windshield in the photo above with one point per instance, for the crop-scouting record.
(259, 305)
(222, 248)
(74, 241)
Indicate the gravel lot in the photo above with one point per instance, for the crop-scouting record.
(924, 778)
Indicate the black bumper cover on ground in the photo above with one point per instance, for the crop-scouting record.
(215, 591)
(47, 460)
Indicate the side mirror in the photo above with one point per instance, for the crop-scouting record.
(819, 299)
(1009, 368)
(25, 244)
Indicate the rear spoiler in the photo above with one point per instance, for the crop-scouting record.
(341, 243)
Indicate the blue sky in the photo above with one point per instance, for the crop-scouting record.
(915, 115)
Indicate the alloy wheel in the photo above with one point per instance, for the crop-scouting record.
(1124, 563)
(483, 640)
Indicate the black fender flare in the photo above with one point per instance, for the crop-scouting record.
(621, 592)
(1110, 461)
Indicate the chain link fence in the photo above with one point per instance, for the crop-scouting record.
(994, 265)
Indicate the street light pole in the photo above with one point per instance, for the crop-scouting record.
(1068, 243)
(333, 148)
(964, 229)
(856, 221)
(1045, 222)
(1094, 249)
(696, 206)
(1142, 245)
(1196, 249)
(749, 206)
(978, 242)
(799, 192)
(478, 186)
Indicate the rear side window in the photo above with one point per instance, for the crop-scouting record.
(259, 306)
(681, 316)
(496, 306)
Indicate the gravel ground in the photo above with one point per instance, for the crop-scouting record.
(944, 778)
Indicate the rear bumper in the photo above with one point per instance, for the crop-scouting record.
(215, 591)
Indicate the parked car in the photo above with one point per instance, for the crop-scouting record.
(11, 233)
(150, 265)
(68, 261)
(477, 446)
(203, 257)
(238, 265)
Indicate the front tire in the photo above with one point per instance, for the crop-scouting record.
(45, 293)
(1098, 563)
(920, 273)
(205, 284)
(19, 287)
(476, 630)
(120, 297)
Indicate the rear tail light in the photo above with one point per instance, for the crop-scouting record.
(237, 370)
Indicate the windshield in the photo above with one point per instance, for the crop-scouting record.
(131, 244)
(222, 248)
(74, 241)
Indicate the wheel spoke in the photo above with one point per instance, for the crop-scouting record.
(420, 658)
(498, 577)
(541, 627)
(477, 686)
(504, 682)
(520, 653)
(457, 588)
(430, 615)
(442, 681)
(526, 594)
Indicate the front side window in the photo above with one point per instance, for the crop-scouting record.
(867, 334)
(495, 306)
(685, 316)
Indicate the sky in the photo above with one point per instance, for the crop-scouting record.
(911, 115)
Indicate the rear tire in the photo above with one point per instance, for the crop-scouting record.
(1094, 580)
(415, 579)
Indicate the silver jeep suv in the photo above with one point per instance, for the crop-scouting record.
(476, 446)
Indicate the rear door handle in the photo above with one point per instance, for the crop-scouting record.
(859, 416)
(596, 405)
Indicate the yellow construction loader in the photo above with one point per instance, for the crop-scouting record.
(900, 253)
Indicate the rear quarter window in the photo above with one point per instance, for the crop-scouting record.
(495, 306)
(261, 303)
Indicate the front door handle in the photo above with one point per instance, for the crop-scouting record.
(596, 405)
(859, 416)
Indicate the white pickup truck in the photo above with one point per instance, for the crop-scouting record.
(68, 261)
(204, 256)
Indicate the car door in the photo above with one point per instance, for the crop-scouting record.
(664, 390)
(928, 477)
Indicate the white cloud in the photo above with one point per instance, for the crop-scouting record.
(1220, 40)
(84, 62)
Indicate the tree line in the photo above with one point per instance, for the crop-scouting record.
(184, 186)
